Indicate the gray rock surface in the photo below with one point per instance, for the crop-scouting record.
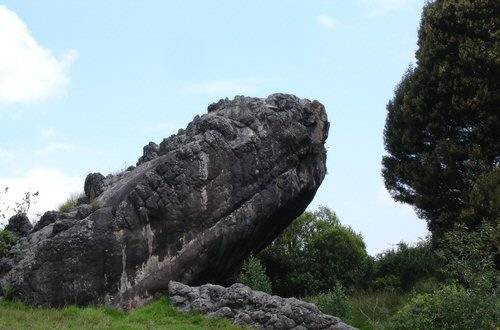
(46, 219)
(253, 308)
(149, 152)
(19, 224)
(191, 211)
(93, 186)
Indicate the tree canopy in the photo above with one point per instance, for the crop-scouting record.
(442, 132)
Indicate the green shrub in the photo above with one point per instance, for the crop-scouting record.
(450, 307)
(426, 286)
(401, 268)
(468, 256)
(387, 282)
(314, 254)
(253, 274)
(334, 303)
(7, 239)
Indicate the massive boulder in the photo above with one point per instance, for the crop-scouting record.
(191, 211)
(252, 308)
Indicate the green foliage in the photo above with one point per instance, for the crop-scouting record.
(403, 267)
(484, 200)
(443, 129)
(426, 285)
(467, 257)
(7, 239)
(388, 282)
(71, 202)
(157, 315)
(334, 302)
(450, 307)
(314, 254)
(253, 274)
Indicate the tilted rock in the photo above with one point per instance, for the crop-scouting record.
(222, 188)
(253, 308)
(19, 224)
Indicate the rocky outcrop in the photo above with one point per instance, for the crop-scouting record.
(252, 308)
(19, 224)
(149, 152)
(194, 207)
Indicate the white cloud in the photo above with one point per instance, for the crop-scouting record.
(326, 21)
(222, 87)
(54, 188)
(28, 71)
(54, 147)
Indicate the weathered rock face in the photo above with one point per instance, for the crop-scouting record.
(253, 308)
(192, 210)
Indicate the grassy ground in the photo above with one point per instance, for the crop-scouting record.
(157, 315)
(369, 310)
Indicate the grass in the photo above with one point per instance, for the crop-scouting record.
(372, 310)
(365, 310)
(158, 315)
(71, 202)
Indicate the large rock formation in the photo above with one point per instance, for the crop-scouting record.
(193, 208)
(252, 308)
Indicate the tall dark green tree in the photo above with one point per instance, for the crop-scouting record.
(442, 132)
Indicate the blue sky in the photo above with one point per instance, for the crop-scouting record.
(85, 84)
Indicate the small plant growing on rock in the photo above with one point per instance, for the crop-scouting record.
(71, 202)
(253, 274)
(8, 292)
(7, 239)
